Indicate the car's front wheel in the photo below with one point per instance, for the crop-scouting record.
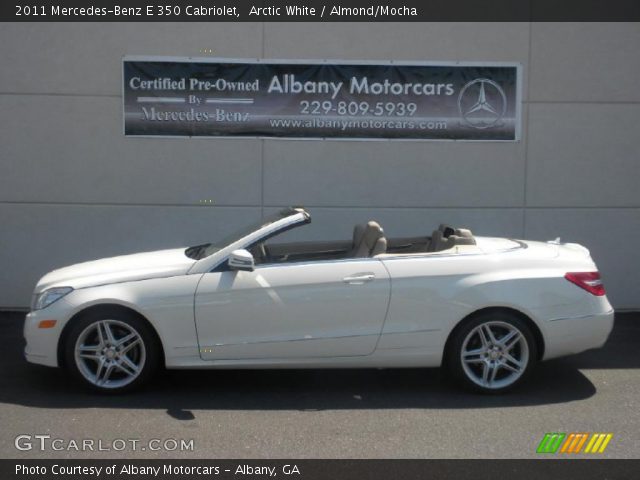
(493, 352)
(111, 353)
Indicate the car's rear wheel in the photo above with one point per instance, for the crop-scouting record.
(111, 353)
(492, 352)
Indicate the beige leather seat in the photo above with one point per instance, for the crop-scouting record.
(439, 242)
(447, 237)
(368, 240)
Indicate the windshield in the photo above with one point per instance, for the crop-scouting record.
(201, 251)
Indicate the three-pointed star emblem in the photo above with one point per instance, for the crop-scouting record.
(482, 103)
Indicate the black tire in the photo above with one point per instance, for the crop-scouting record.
(470, 374)
(145, 354)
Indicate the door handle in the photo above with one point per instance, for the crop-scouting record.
(359, 279)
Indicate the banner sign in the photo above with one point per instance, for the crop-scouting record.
(318, 99)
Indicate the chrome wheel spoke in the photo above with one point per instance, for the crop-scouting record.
(483, 338)
(101, 364)
(105, 373)
(511, 363)
(489, 372)
(489, 334)
(510, 340)
(494, 371)
(108, 333)
(507, 338)
(91, 352)
(474, 356)
(136, 341)
(101, 339)
(125, 339)
(127, 366)
(485, 373)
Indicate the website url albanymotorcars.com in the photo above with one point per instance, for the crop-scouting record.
(46, 442)
(344, 124)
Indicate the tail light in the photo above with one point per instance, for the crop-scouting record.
(589, 281)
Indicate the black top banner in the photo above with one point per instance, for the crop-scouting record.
(321, 11)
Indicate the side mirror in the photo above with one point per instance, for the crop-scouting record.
(241, 260)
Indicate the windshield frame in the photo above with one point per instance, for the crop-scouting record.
(283, 220)
(233, 237)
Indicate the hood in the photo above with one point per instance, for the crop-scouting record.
(125, 268)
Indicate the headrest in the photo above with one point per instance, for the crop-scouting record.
(372, 232)
(463, 232)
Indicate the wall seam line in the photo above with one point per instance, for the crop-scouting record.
(334, 207)
(528, 132)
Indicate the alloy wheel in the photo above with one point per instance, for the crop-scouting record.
(494, 354)
(110, 354)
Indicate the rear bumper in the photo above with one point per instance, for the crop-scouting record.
(575, 334)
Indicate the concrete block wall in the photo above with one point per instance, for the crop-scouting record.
(73, 188)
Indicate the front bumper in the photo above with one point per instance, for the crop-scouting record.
(42, 343)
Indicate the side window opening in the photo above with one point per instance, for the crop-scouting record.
(368, 240)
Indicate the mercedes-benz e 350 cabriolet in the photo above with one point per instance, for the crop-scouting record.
(487, 309)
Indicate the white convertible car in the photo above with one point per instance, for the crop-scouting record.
(486, 308)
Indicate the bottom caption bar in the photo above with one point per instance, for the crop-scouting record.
(318, 469)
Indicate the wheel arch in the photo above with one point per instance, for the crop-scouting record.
(537, 333)
(109, 308)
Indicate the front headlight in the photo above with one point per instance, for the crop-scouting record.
(46, 298)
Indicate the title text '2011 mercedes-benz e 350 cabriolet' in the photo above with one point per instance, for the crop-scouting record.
(487, 309)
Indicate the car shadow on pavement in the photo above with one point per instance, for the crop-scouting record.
(180, 392)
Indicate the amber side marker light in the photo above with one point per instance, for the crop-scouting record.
(47, 323)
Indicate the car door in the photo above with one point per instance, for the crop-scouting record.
(294, 310)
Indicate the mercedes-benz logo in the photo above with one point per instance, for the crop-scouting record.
(482, 103)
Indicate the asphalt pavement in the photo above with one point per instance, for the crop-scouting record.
(411, 413)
